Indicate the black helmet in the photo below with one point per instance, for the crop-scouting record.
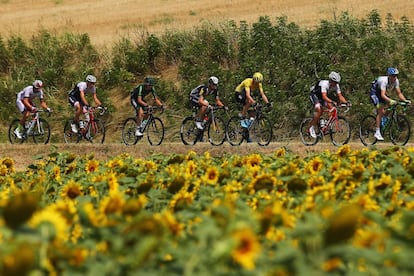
(149, 81)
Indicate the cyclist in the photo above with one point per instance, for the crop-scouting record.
(137, 100)
(319, 98)
(26, 105)
(198, 98)
(244, 94)
(379, 97)
(77, 99)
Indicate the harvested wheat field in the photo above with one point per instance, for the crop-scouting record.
(107, 20)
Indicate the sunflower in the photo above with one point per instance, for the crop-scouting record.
(252, 160)
(55, 173)
(263, 182)
(211, 176)
(247, 248)
(280, 152)
(167, 217)
(56, 224)
(113, 182)
(71, 167)
(342, 225)
(332, 264)
(314, 165)
(91, 166)
(112, 204)
(71, 190)
(343, 150)
(181, 200)
(8, 162)
(190, 167)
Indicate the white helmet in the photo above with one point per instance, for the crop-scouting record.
(38, 84)
(91, 78)
(213, 80)
(334, 76)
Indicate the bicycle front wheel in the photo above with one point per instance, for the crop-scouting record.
(235, 133)
(188, 131)
(305, 136)
(128, 131)
(96, 132)
(340, 131)
(400, 130)
(69, 136)
(261, 131)
(367, 130)
(216, 131)
(155, 131)
(41, 132)
(12, 137)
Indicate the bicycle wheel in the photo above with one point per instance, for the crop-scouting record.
(69, 136)
(41, 132)
(340, 131)
(400, 130)
(128, 131)
(216, 131)
(188, 131)
(96, 132)
(305, 136)
(155, 131)
(12, 137)
(235, 133)
(261, 131)
(367, 130)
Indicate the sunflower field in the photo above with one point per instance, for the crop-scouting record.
(343, 212)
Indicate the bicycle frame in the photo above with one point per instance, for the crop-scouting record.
(35, 127)
(398, 126)
(336, 126)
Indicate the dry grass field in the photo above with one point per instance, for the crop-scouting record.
(107, 20)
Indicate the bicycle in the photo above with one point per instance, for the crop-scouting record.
(153, 126)
(213, 124)
(396, 125)
(335, 125)
(37, 128)
(93, 130)
(257, 128)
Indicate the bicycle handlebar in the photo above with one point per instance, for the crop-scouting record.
(101, 110)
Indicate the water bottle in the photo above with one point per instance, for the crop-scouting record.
(384, 120)
(144, 123)
(205, 120)
(322, 122)
(81, 124)
(250, 122)
(87, 116)
(30, 128)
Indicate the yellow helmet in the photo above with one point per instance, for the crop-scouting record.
(258, 77)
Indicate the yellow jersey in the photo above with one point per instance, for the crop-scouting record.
(250, 85)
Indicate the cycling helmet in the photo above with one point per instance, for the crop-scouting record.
(38, 84)
(91, 78)
(334, 76)
(149, 81)
(392, 71)
(258, 77)
(213, 80)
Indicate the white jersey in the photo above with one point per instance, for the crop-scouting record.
(28, 92)
(324, 85)
(383, 83)
(84, 87)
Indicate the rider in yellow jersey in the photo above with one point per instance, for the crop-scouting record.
(246, 89)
